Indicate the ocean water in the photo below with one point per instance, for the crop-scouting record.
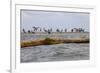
(57, 52)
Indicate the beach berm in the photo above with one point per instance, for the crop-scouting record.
(51, 41)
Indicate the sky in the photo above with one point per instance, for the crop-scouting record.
(54, 20)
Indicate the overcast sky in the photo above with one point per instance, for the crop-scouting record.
(54, 20)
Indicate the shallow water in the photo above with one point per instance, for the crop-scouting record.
(58, 52)
(63, 35)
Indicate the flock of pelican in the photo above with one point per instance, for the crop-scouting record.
(39, 29)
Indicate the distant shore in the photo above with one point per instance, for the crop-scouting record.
(55, 33)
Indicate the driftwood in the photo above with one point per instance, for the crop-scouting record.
(51, 41)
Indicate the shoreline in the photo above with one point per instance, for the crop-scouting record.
(52, 41)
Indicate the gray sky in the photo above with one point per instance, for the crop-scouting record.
(54, 20)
